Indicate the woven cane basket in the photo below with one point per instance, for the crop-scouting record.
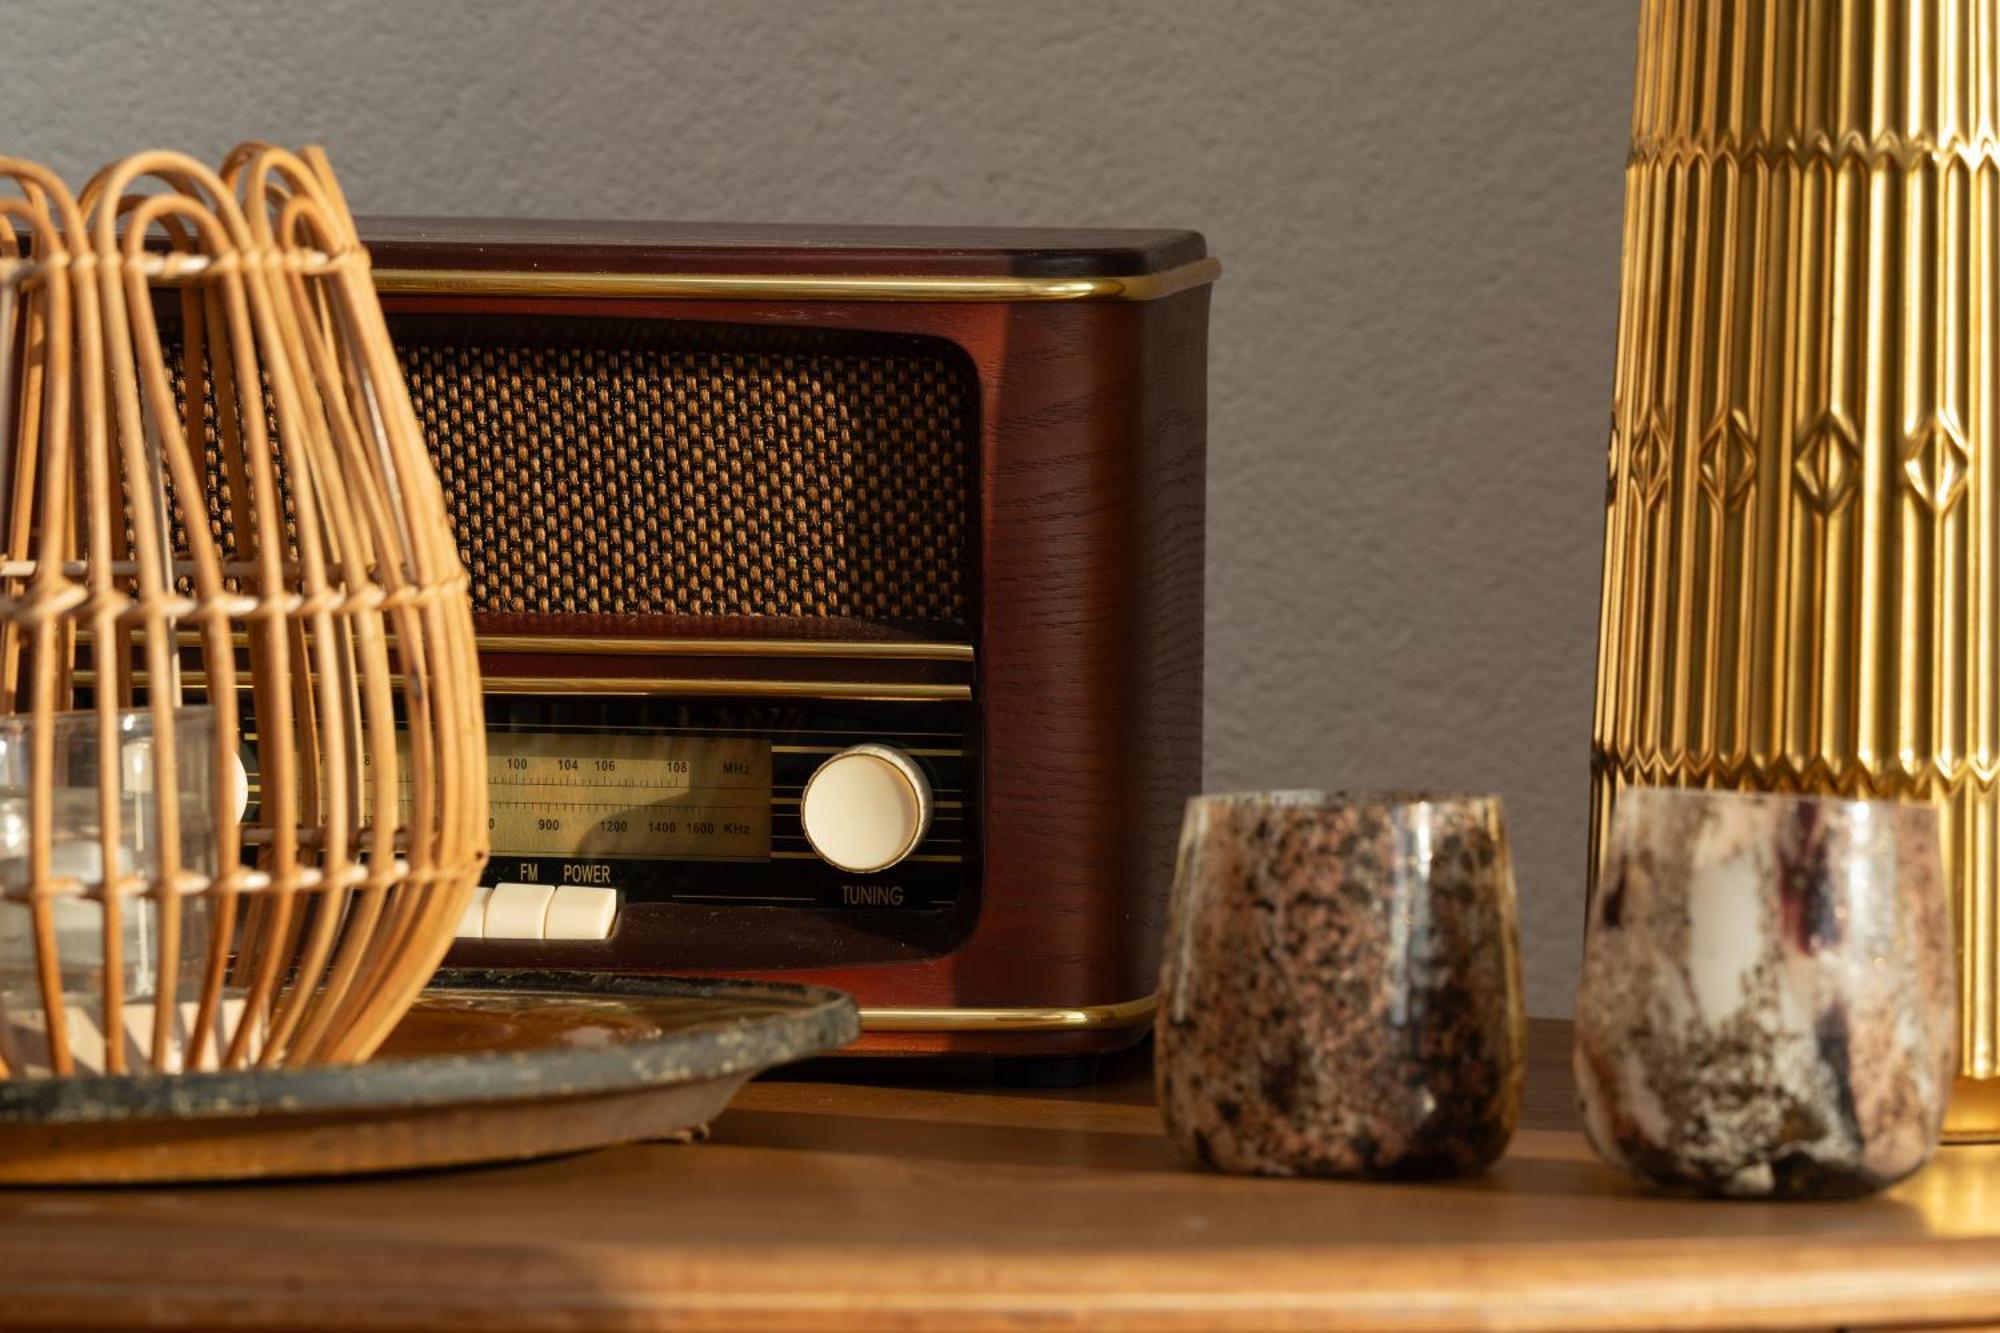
(242, 771)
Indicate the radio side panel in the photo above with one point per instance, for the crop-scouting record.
(1091, 667)
(1172, 598)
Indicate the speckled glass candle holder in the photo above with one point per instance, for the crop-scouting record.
(1768, 998)
(1340, 993)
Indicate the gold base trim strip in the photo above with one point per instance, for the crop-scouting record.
(1085, 1018)
(767, 287)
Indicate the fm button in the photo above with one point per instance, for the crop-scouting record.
(866, 808)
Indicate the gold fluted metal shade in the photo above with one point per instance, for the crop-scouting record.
(1802, 544)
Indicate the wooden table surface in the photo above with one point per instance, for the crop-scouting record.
(823, 1202)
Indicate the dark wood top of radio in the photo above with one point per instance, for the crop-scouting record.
(712, 247)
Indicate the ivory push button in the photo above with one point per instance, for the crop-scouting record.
(472, 926)
(518, 911)
(578, 912)
(866, 808)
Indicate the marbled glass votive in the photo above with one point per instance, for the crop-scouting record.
(1768, 997)
(1340, 991)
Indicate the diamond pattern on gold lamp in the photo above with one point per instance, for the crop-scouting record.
(1935, 462)
(1827, 461)
(1650, 461)
(1728, 462)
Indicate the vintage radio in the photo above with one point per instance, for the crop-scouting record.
(840, 603)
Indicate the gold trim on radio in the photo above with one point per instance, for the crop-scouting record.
(609, 646)
(1128, 1014)
(788, 689)
(692, 687)
(765, 287)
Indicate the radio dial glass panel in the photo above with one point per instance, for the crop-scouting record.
(590, 796)
(691, 810)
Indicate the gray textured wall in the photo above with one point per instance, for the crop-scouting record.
(1417, 201)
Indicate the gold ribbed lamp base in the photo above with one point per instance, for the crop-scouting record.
(1802, 543)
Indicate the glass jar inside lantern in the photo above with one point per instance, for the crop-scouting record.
(141, 798)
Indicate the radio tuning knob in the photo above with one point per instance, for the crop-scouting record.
(866, 808)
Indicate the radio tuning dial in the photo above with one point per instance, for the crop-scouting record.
(866, 808)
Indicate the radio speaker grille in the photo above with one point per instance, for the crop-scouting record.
(628, 467)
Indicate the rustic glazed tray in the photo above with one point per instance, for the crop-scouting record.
(487, 1066)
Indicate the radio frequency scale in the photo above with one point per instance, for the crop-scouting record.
(575, 800)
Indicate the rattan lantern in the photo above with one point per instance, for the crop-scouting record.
(242, 770)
